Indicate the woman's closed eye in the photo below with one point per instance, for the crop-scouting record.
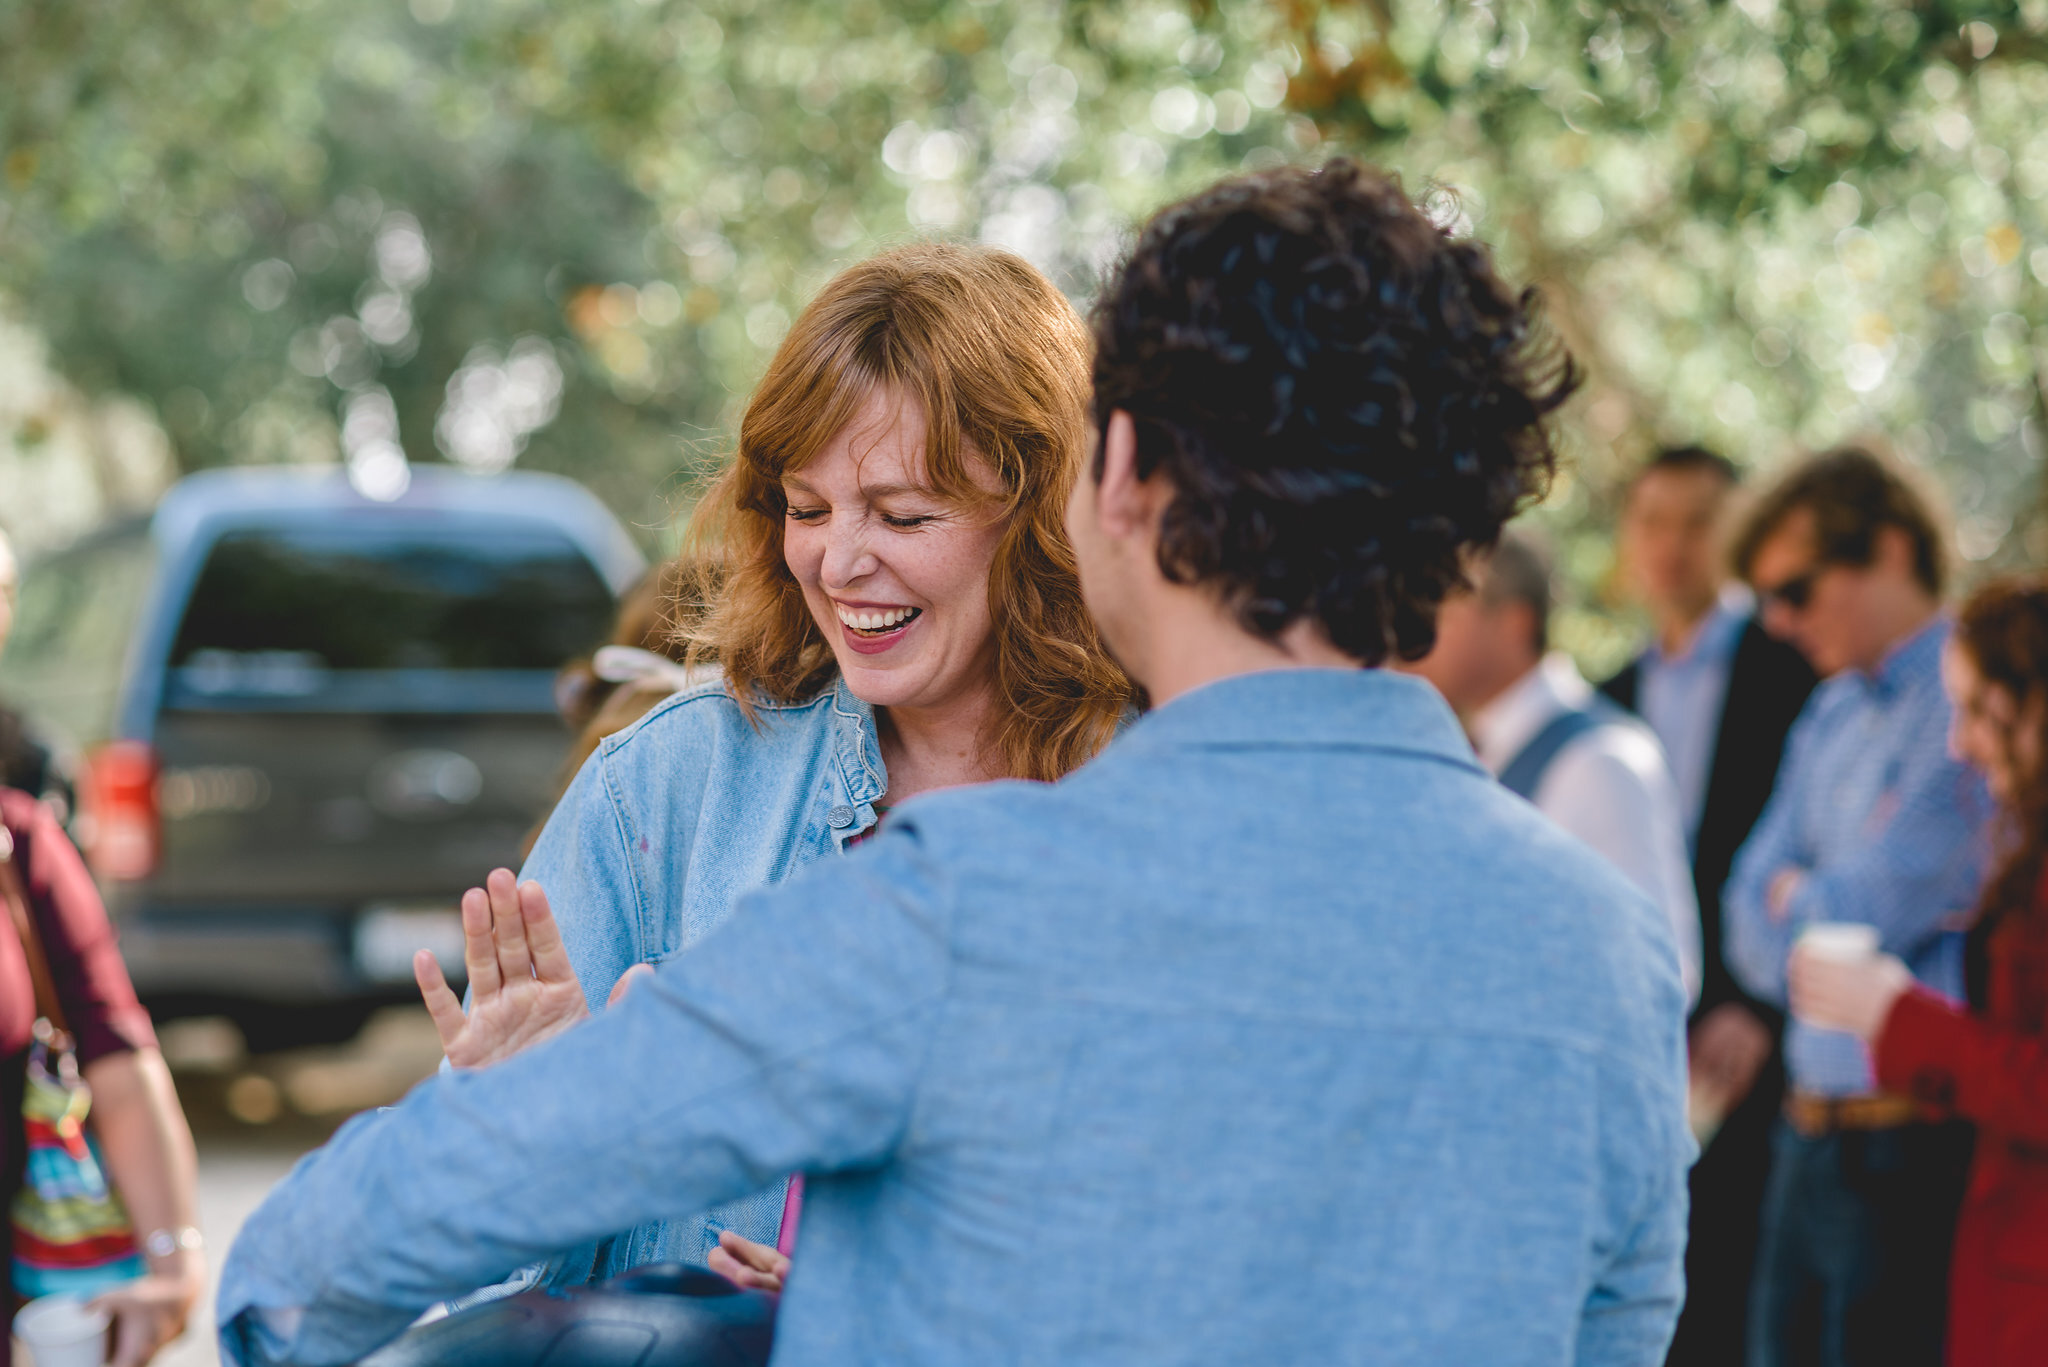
(900, 521)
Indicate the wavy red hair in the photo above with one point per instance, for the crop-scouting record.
(997, 360)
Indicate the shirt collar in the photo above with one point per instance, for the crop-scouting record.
(1713, 641)
(1369, 708)
(1502, 727)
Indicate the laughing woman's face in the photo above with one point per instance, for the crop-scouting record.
(894, 572)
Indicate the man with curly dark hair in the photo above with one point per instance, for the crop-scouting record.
(1280, 1033)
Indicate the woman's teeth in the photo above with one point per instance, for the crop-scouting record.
(867, 620)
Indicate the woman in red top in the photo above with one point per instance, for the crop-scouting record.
(142, 1134)
(1989, 1063)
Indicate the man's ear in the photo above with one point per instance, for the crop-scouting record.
(1893, 548)
(1126, 504)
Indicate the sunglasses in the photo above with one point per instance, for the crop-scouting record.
(1795, 593)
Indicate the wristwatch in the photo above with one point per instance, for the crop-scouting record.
(162, 1243)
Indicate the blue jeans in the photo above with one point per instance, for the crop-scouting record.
(1852, 1270)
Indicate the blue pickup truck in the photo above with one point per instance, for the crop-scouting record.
(309, 719)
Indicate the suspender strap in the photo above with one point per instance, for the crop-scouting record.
(1524, 773)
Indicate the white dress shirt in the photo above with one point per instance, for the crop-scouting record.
(1610, 787)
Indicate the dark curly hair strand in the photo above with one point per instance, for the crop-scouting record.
(1346, 399)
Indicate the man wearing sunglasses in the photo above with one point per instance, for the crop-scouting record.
(1871, 822)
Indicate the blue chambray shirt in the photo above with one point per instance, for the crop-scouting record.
(1889, 830)
(1279, 1033)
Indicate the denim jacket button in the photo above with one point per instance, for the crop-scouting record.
(840, 818)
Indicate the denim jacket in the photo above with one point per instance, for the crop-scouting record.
(664, 828)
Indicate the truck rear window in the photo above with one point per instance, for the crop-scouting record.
(340, 601)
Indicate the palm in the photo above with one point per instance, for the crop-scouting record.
(522, 987)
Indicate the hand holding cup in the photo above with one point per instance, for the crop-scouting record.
(1839, 981)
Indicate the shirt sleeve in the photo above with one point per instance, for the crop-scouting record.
(85, 961)
(1754, 944)
(1614, 793)
(1920, 865)
(1964, 1065)
(790, 1039)
(1639, 1284)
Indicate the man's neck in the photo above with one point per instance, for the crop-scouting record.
(1194, 642)
(1907, 619)
(1469, 708)
(1678, 624)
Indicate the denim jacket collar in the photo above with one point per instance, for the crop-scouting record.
(858, 748)
(1371, 708)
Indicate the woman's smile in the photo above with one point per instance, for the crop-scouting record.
(872, 628)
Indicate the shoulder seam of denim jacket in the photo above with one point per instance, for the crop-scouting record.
(620, 818)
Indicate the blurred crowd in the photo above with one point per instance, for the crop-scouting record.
(1780, 761)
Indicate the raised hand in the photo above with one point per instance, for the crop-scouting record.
(522, 988)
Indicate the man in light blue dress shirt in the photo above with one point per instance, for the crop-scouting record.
(1872, 822)
(1278, 1034)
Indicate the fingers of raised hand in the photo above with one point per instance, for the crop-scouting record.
(543, 936)
(508, 927)
(442, 1003)
(479, 947)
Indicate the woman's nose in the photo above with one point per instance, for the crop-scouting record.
(847, 557)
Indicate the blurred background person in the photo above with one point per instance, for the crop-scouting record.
(1721, 693)
(1538, 725)
(1987, 1062)
(145, 1147)
(643, 663)
(1871, 822)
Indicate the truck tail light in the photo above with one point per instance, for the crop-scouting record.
(121, 832)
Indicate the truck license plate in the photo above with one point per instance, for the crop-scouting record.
(387, 936)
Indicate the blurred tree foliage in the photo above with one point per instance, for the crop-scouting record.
(568, 233)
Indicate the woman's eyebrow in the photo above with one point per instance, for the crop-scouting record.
(792, 484)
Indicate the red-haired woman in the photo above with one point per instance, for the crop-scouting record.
(889, 598)
(1989, 1063)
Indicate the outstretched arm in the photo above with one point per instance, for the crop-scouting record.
(790, 1039)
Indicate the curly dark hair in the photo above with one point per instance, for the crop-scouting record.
(1346, 399)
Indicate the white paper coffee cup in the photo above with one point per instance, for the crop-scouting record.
(1839, 941)
(63, 1331)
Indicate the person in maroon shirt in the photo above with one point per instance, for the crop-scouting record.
(144, 1141)
(1987, 1063)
